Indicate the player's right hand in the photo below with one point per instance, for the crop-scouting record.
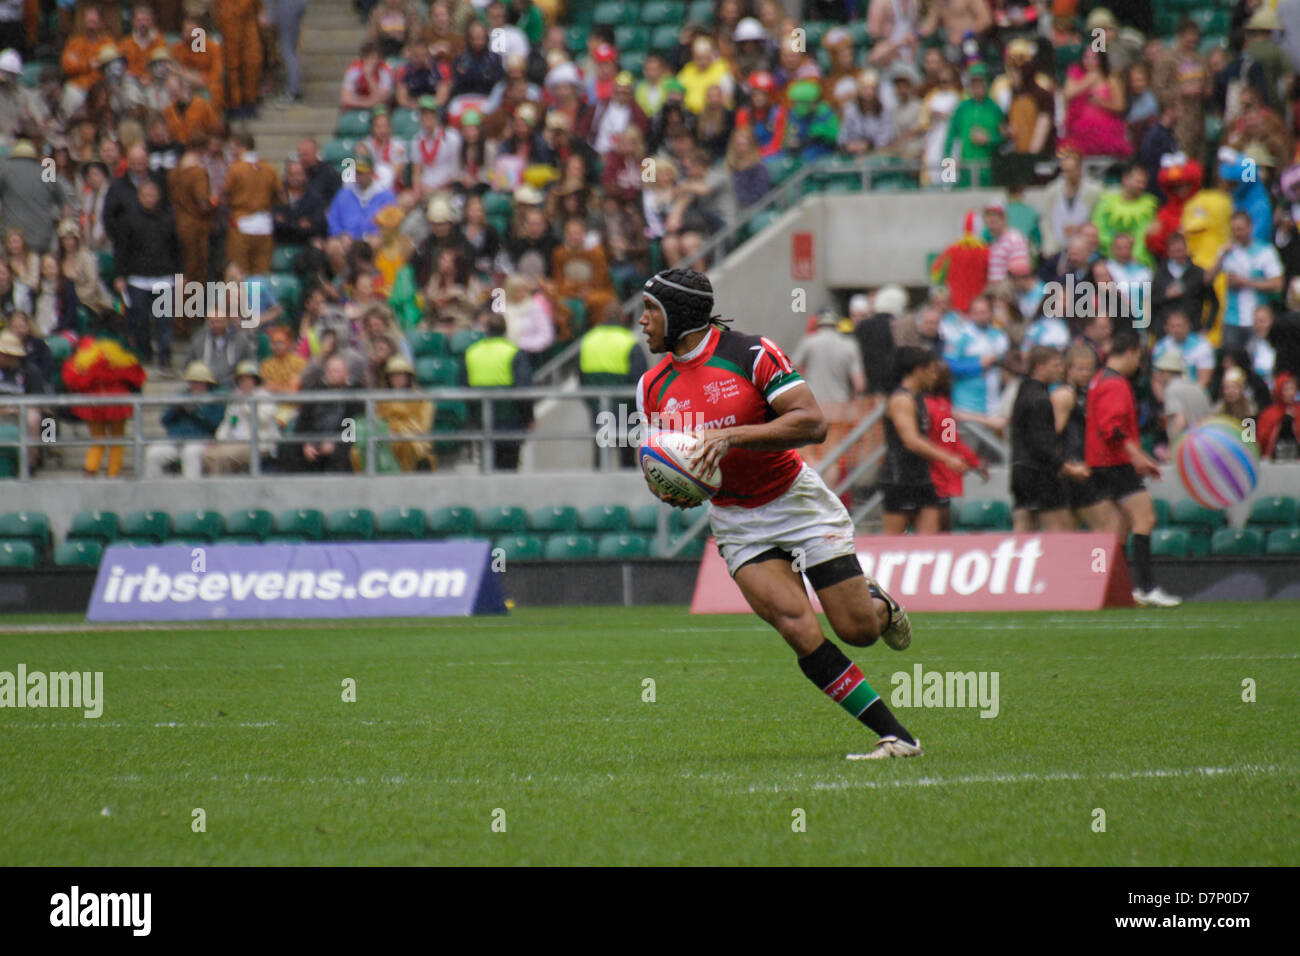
(677, 501)
(1147, 468)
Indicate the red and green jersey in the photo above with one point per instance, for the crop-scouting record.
(729, 379)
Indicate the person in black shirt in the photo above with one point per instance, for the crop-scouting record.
(910, 498)
(1040, 501)
(1179, 286)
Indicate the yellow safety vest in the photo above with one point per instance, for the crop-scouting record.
(607, 350)
(488, 363)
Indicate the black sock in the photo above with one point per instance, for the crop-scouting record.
(842, 681)
(1142, 561)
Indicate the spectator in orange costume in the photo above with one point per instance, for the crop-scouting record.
(239, 23)
(198, 55)
(142, 41)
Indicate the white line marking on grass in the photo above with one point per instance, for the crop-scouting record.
(1263, 770)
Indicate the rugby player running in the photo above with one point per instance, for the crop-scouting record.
(773, 516)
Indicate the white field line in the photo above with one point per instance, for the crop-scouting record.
(1209, 773)
(1252, 770)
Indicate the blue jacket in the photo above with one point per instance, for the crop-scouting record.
(354, 216)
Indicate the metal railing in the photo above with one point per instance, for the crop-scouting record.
(605, 399)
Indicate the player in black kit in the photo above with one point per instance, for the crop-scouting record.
(1039, 469)
(910, 498)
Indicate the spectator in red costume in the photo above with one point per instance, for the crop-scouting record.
(1180, 179)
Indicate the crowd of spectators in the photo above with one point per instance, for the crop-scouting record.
(531, 160)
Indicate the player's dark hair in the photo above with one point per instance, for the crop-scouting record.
(907, 360)
(1125, 340)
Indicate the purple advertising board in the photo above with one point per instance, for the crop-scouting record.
(270, 581)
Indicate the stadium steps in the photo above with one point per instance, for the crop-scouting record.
(331, 36)
(69, 466)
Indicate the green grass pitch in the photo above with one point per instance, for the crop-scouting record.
(541, 715)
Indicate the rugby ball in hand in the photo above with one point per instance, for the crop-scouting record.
(666, 461)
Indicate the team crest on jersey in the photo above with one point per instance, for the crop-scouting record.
(712, 392)
(673, 407)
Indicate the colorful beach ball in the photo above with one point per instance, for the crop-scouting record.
(1217, 467)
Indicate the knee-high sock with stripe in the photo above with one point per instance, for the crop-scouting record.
(842, 681)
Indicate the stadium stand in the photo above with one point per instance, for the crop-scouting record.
(394, 225)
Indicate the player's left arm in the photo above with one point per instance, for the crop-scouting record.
(799, 421)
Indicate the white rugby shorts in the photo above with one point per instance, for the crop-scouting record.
(807, 519)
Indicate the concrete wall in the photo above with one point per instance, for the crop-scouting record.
(874, 238)
(754, 285)
(860, 240)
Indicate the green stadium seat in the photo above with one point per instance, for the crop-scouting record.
(353, 124)
(60, 348)
(437, 371)
(1169, 543)
(401, 523)
(646, 518)
(284, 257)
(671, 12)
(1162, 512)
(1244, 542)
(428, 344)
(102, 526)
(498, 203)
(622, 546)
(451, 522)
(249, 524)
(306, 524)
(693, 549)
(630, 39)
(288, 539)
(350, 524)
(337, 150)
(17, 553)
(983, 516)
(32, 74)
(1186, 513)
(521, 547)
(814, 30)
(575, 37)
(31, 526)
(781, 167)
(861, 37)
(570, 547)
(147, 526)
(197, 525)
(107, 265)
(287, 289)
(609, 13)
(406, 123)
(1283, 541)
(1198, 544)
(554, 519)
(450, 416)
(1276, 512)
(665, 38)
(501, 520)
(634, 60)
(462, 340)
(79, 553)
(701, 12)
(605, 518)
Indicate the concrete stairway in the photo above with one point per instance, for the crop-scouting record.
(331, 37)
